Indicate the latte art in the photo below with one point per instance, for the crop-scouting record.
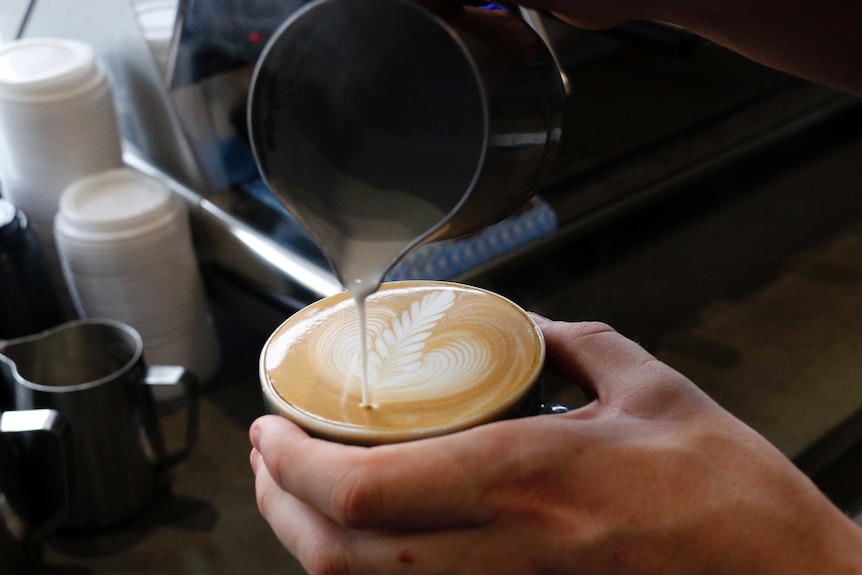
(406, 360)
(439, 355)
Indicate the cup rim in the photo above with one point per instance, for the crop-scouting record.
(346, 433)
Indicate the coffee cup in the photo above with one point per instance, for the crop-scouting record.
(442, 357)
(92, 373)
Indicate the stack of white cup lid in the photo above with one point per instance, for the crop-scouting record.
(57, 124)
(126, 250)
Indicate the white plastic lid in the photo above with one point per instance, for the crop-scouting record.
(119, 200)
(46, 69)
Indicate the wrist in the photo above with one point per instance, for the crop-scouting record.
(831, 545)
(695, 15)
(849, 556)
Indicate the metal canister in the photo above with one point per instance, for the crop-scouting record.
(28, 300)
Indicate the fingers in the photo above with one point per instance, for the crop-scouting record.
(323, 546)
(453, 479)
(308, 535)
(611, 367)
(592, 353)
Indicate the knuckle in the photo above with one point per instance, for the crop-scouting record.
(264, 498)
(594, 327)
(583, 329)
(357, 498)
(328, 560)
(276, 465)
(664, 392)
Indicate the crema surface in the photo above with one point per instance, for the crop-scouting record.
(439, 355)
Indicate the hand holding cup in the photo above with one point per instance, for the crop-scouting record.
(651, 477)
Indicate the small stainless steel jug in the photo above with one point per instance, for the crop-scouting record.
(92, 372)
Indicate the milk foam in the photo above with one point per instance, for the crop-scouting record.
(404, 363)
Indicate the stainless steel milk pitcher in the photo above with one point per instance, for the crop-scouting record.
(92, 373)
(457, 103)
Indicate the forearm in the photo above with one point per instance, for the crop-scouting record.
(819, 41)
(816, 40)
(835, 549)
(847, 546)
(815, 538)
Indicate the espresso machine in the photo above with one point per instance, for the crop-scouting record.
(649, 109)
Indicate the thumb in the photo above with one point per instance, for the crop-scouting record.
(601, 361)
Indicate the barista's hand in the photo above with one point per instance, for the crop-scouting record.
(651, 477)
(594, 14)
(819, 41)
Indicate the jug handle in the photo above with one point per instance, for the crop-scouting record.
(53, 425)
(171, 383)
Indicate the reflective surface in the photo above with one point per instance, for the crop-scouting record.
(358, 109)
(28, 302)
(92, 373)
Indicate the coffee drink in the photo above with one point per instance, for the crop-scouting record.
(441, 357)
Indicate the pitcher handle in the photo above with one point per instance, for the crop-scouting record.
(162, 378)
(51, 424)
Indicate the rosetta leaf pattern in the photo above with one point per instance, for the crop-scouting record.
(403, 365)
(397, 350)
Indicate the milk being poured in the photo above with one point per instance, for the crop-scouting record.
(372, 121)
(367, 230)
(369, 122)
(364, 230)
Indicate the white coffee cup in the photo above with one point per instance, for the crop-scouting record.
(447, 357)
